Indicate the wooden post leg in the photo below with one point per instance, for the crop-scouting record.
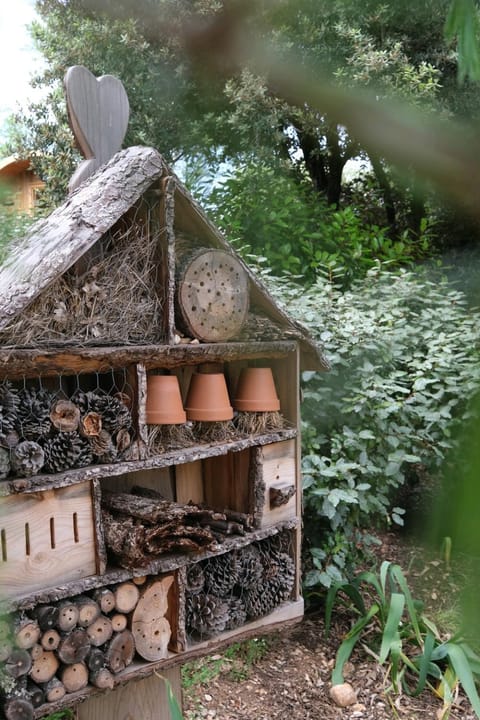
(137, 700)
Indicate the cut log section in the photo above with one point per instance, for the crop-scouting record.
(68, 613)
(74, 647)
(47, 616)
(27, 633)
(54, 690)
(18, 709)
(74, 677)
(18, 663)
(102, 678)
(126, 597)
(120, 651)
(50, 640)
(119, 622)
(95, 659)
(100, 631)
(212, 295)
(44, 667)
(88, 610)
(35, 694)
(150, 628)
(105, 599)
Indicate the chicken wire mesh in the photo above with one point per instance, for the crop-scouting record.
(53, 424)
(226, 591)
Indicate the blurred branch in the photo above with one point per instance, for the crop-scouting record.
(443, 153)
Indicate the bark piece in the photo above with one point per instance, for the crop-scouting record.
(100, 631)
(74, 647)
(74, 677)
(150, 628)
(120, 651)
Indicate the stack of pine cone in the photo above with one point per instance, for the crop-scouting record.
(225, 591)
(41, 431)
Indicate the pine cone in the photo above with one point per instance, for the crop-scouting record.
(274, 587)
(65, 416)
(115, 415)
(221, 574)
(4, 463)
(251, 567)
(9, 402)
(206, 614)
(84, 400)
(63, 451)
(34, 413)
(86, 456)
(195, 579)
(237, 615)
(103, 448)
(91, 425)
(27, 458)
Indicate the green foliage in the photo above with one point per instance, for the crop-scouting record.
(404, 352)
(266, 212)
(462, 24)
(13, 224)
(392, 625)
(173, 705)
(236, 660)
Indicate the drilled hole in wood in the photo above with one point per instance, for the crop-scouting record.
(3, 535)
(75, 527)
(52, 533)
(27, 539)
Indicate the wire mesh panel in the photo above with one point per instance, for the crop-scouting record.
(49, 425)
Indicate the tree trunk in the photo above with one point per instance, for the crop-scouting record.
(387, 195)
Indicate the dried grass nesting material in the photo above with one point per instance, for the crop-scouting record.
(115, 299)
(213, 432)
(256, 423)
(162, 438)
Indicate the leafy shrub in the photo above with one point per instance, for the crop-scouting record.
(269, 213)
(404, 351)
(13, 224)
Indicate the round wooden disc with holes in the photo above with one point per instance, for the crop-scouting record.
(150, 627)
(212, 295)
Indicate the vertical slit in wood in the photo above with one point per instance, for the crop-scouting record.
(27, 539)
(3, 536)
(75, 527)
(52, 533)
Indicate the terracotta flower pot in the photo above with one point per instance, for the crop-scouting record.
(256, 391)
(207, 398)
(164, 401)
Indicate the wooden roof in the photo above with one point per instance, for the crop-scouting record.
(56, 243)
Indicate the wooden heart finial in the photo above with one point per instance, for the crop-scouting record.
(98, 113)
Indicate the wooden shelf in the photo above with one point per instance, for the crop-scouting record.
(38, 483)
(164, 564)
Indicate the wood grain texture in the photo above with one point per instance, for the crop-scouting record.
(98, 111)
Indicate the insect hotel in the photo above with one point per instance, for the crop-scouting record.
(150, 490)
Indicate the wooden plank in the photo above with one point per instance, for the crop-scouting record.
(173, 457)
(226, 482)
(189, 482)
(145, 699)
(17, 363)
(46, 537)
(278, 470)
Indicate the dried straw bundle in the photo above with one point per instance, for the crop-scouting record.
(114, 300)
(168, 437)
(254, 423)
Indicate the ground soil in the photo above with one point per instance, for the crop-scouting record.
(291, 676)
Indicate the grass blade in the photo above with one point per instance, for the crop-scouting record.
(390, 634)
(351, 639)
(402, 584)
(464, 673)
